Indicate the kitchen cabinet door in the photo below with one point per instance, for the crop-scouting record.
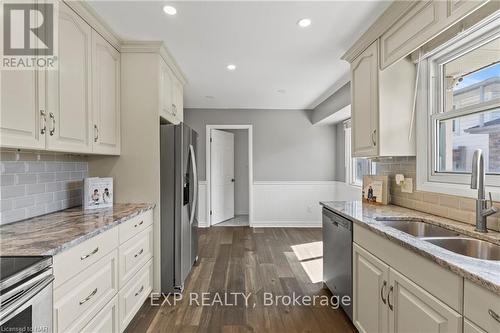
(106, 96)
(69, 88)
(166, 100)
(177, 94)
(22, 120)
(412, 307)
(364, 103)
(370, 288)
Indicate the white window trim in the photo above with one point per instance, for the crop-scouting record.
(349, 163)
(428, 103)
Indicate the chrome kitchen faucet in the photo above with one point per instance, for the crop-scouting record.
(477, 182)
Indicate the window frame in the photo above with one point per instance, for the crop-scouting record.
(430, 110)
(349, 160)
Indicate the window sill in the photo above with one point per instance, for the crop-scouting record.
(461, 190)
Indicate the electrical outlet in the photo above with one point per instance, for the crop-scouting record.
(407, 185)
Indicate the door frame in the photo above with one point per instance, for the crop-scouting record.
(208, 157)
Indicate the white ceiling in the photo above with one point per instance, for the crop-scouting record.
(261, 38)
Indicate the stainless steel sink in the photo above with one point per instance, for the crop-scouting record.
(468, 247)
(417, 228)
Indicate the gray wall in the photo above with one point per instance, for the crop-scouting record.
(340, 153)
(337, 101)
(240, 171)
(286, 147)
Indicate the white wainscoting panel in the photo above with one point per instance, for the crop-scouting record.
(296, 204)
(202, 204)
(288, 203)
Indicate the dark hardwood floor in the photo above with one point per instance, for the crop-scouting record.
(244, 260)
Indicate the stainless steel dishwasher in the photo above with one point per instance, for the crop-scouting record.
(337, 256)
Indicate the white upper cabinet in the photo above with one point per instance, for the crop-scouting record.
(178, 102)
(171, 95)
(364, 103)
(69, 88)
(23, 115)
(106, 96)
(166, 101)
(381, 106)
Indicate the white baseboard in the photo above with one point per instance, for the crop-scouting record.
(287, 224)
(287, 204)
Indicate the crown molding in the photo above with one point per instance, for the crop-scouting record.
(157, 47)
(89, 15)
(387, 19)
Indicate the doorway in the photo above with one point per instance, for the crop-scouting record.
(229, 166)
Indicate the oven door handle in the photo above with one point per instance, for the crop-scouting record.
(23, 298)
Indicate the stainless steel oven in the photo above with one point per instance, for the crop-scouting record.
(26, 294)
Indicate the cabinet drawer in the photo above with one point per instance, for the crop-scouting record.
(478, 303)
(82, 297)
(106, 320)
(134, 253)
(134, 293)
(135, 225)
(69, 263)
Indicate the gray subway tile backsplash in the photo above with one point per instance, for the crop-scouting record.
(33, 184)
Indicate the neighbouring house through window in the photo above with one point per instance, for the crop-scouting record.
(461, 109)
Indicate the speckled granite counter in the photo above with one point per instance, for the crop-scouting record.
(483, 272)
(52, 233)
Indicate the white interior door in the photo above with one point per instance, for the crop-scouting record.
(222, 176)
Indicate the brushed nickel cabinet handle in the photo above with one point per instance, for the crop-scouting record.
(382, 291)
(138, 253)
(89, 254)
(391, 290)
(43, 116)
(88, 297)
(140, 291)
(373, 137)
(53, 129)
(138, 224)
(494, 315)
(96, 133)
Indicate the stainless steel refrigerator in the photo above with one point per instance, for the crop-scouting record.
(179, 203)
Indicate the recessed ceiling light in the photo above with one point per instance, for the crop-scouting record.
(170, 10)
(231, 67)
(305, 22)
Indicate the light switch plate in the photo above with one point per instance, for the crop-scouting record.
(407, 185)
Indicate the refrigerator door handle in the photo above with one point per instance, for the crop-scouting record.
(195, 179)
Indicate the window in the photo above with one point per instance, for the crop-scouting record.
(461, 94)
(355, 167)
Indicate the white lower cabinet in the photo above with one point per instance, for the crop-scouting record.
(370, 287)
(101, 283)
(135, 293)
(412, 307)
(106, 320)
(79, 299)
(470, 327)
(387, 301)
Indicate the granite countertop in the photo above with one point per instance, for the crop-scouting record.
(483, 272)
(52, 233)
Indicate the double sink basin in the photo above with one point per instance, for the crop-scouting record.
(445, 238)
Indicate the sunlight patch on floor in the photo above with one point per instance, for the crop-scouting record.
(308, 251)
(314, 269)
